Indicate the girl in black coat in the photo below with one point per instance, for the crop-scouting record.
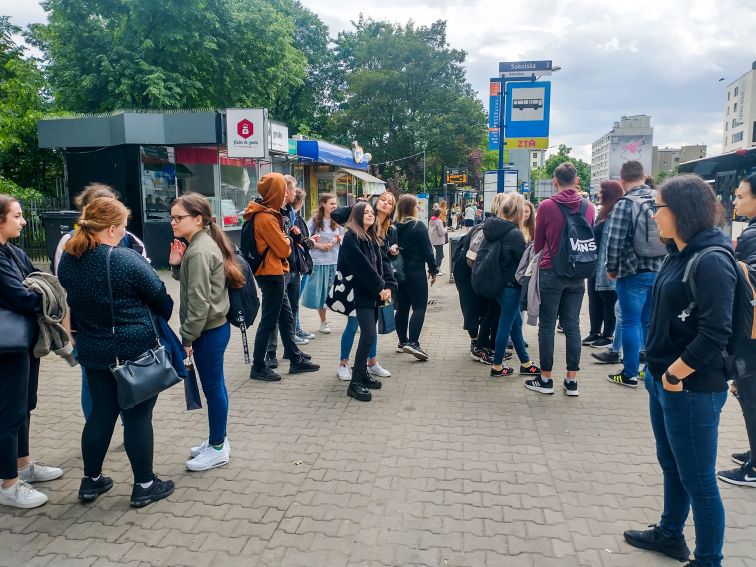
(416, 252)
(19, 371)
(360, 257)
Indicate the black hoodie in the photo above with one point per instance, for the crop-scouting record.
(415, 246)
(15, 266)
(700, 337)
(511, 248)
(746, 249)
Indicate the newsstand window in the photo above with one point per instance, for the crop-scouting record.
(197, 172)
(158, 172)
(237, 188)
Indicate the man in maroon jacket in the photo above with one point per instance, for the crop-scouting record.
(560, 296)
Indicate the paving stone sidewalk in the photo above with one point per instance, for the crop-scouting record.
(446, 467)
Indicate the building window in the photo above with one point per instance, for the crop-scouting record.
(735, 107)
(737, 137)
(728, 95)
(736, 91)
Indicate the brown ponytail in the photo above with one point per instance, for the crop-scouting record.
(5, 202)
(198, 205)
(101, 213)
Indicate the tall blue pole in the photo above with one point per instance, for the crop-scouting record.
(502, 116)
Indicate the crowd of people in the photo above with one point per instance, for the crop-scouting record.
(639, 254)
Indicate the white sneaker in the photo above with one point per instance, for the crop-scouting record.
(209, 458)
(344, 373)
(378, 371)
(39, 472)
(22, 495)
(324, 328)
(300, 341)
(195, 451)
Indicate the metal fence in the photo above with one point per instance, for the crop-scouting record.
(32, 240)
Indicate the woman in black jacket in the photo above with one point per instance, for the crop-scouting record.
(745, 390)
(19, 371)
(360, 257)
(416, 251)
(503, 232)
(105, 336)
(686, 375)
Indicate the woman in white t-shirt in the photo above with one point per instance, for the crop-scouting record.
(325, 256)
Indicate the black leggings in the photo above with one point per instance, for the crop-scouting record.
(98, 430)
(19, 376)
(601, 309)
(489, 323)
(412, 294)
(367, 318)
(747, 398)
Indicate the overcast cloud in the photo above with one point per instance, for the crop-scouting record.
(662, 58)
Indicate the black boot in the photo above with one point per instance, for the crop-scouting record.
(653, 539)
(357, 389)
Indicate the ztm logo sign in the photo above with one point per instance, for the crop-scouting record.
(245, 128)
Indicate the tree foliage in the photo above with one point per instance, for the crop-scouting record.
(103, 55)
(22, 102)
(563, 155)
(403, 90)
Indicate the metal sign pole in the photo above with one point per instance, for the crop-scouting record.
(502, 126)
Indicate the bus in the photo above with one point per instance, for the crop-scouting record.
(724, 173)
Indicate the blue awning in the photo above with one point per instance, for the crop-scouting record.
(316, 151)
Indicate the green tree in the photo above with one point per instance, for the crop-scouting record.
(563, 155)
(664, 175)
(103, 55)
(23, 165)
(401, 90)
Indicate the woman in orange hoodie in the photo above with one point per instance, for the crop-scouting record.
(275, 247)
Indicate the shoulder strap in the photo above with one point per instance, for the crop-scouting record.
(689, 275)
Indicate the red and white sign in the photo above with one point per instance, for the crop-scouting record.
(246, 132)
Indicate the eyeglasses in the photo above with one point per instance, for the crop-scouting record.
(656, 206)
(178, 218)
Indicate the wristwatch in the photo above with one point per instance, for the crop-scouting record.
(672, 379)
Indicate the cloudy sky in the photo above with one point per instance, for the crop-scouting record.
(662, 58)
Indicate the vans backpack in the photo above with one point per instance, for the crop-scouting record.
(248, 245)
(476, 241)
(487, 273)
(577, 256)
(646, 240)
(244, 303)
(740, 352)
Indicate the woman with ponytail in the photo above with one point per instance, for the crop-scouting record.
(109, 330)
(206, 269)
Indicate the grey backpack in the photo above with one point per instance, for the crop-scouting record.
(646, 240)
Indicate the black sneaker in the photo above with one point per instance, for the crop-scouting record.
(590, 339)
(621, 379)
(505, 371)
(264, 374)
(302, 354)
(653, 539)
(602, 342)
(570, 387)
(741, 458)
(270, 359)
(371, 383)
(400, 347)
(415, 350)
(359, 392)
(481, 355)
(159, 489)
(90, 489)
(531, 370)
(508, 355)
(540, 385)
(607, 357)
(744, 475)
(303, 365)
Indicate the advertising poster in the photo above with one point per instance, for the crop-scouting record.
(422, 207)
(629, 148)
(246, 132)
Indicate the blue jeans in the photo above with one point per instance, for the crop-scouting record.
(298, 321)
(510, 324)
(347, 340)
(686, 427)
(634, 294)
(209, 350)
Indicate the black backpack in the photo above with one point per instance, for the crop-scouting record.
(244, 303)
(487, 272)
(248, 245)
(577, 256)
(740, 352)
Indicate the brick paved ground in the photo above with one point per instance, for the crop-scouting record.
(446, 467)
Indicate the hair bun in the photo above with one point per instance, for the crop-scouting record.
(83, 223)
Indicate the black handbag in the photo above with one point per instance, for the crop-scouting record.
(149, 374)
(341, 295)
(15, 332)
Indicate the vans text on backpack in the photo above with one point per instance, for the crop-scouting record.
(646, 240)
(577, 256)
(740, 352)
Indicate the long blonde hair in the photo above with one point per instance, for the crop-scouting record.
(509, 206)
(383, 227)
(528, 226)
(406, 208)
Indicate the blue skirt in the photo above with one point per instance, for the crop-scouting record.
(318, 284)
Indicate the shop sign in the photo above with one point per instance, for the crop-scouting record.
(526, 143)
(292, 147)
(278, 137)
(246, 132)
(358, 154)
